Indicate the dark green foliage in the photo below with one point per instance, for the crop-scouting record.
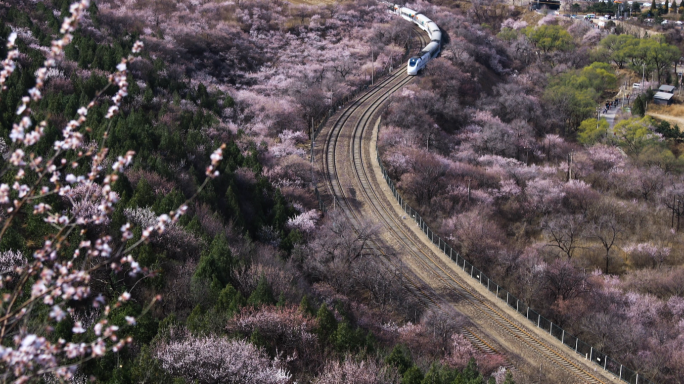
(63, 329)
(668, 131)
(228, 102)
(281, 301)
(509, 378)
(168, 202)
(145, 328)
(230, 301)
(217, 263)
(439, 374)
(233, 208)
(412, 375)
(345, 339)
(400, 358)
(306, 307)
(195, 321)
(639, 106)
(146, 369)
(148, 96)
(641, 102)
(144, 195)
(89, 54)
(168, 322)
(257, 339)
(327, 324)
(470, 372)
(262, 295)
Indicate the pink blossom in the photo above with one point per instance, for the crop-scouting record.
(305, 222)
(214, 359)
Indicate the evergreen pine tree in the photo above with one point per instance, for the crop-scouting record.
(258, 339)
(218, 262)
(234, 207)
(262, 295)
(195, 321)
(225, 298)
(399, 358)
(281, 301)
(148, 96)
(143, 196)
(412, 375)
(346, 340)
(439, 374)
(327, 324)
(305, 306)
(470, 372)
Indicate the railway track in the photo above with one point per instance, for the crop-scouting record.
(354, 188)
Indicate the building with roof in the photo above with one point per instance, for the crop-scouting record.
(663, 98)
(666, 88)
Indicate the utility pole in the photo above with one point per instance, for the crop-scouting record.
(372, 65)
(643, 69)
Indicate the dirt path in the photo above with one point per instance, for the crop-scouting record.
(669, 118)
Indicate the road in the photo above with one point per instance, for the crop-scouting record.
(347, 157)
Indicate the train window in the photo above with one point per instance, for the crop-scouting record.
(413, 61)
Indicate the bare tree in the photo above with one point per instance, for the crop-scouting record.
(673, 198)
(564, 232)
(442, 323)
(332, 256)
(608, 231)
(650, 181)
(383, 281)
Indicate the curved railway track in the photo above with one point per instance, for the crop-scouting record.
(353, 185)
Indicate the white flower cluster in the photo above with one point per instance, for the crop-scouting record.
(216, 157)
(10, 260)
(8, 65)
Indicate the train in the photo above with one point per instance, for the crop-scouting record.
(416, 63)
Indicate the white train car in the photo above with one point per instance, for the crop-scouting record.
(416, 63)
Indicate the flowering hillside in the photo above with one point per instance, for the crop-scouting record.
(158, 222)
(579, 219)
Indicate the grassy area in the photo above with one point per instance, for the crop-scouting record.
(673, 114)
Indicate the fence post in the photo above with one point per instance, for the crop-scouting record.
(538, 320)
(563, 337)
(550, 328)
(480, 277)
(605, 361)
(472, 269)
(591, 353)
(528, 313)
(620, 371)
(506, 297)
(488, 280)
(517, 305)
(576, 342)
(637, 380)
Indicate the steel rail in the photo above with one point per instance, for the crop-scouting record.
(359, 166)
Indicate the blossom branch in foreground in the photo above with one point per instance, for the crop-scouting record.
(57, 279)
